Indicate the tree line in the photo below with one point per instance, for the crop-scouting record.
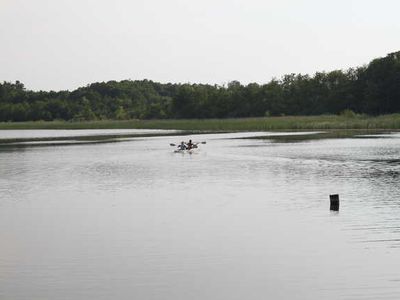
(371, 89)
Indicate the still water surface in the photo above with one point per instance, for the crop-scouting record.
(58, 133)
(239, 219)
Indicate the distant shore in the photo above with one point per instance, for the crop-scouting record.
(387, 122)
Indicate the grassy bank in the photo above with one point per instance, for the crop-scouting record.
(248, 124)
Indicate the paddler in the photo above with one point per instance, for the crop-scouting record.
(190, 145)
(182, 146)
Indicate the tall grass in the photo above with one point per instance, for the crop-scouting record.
(245, 124)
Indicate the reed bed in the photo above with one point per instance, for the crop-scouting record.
(217, 125)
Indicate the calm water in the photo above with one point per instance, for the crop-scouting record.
(46, 133)
(240, 219)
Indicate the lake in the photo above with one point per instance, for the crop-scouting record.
(241, 218)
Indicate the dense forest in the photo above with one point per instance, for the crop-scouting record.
(372, 89)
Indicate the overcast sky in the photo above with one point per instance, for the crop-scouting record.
(64, 44)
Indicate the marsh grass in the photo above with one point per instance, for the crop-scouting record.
(217, 125)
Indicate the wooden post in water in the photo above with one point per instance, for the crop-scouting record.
(334, 202)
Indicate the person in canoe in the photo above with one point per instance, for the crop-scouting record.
(182, 146)
(190, 145)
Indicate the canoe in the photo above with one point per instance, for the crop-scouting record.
(191, 151)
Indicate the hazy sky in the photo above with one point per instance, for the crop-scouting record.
(63, 44)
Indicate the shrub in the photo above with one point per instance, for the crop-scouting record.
(348, 113)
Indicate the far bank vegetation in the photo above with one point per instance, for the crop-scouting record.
(373, 90)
